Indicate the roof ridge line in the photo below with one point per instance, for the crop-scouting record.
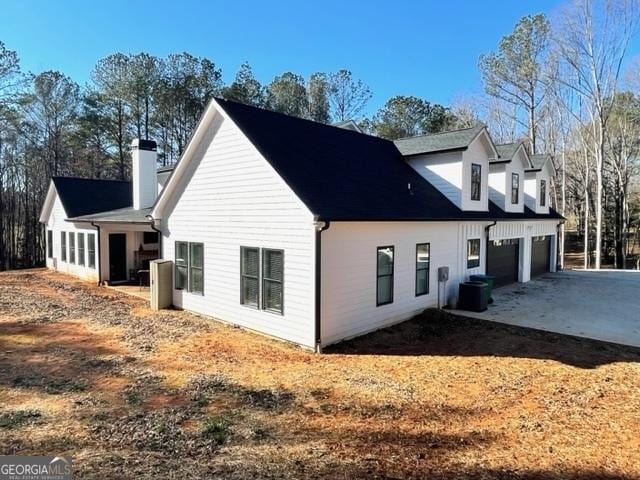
(441, 133)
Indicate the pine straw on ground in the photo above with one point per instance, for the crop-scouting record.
(131, 393)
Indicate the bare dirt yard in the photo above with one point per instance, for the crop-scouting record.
(131, 393)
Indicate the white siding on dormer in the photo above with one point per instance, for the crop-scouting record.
(478, 153)
(500, 182)
(532, 190)
(232, 197)
(443, 171)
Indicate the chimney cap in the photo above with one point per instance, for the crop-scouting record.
(141, 144)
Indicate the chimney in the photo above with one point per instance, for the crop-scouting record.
(143, 173)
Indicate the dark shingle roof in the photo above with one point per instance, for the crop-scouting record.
(438, 142)
(121, 215)
(167, 168)
(508, 150)
(84, 196)
(344, 175)
(539, 159)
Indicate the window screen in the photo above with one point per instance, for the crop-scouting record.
(515, 188)
(181, 261)
(196, 268)
(80, 248)
(473, 253)
(272, 279)
(249, 276)
(384, 280)
(50, 243)
(91, 250)
(476, 181)
(72, 247)
(422, 268)
(63, 246)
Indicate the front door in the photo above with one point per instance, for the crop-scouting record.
(117, 257)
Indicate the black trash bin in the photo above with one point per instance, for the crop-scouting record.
(490, 280)
(473, 296)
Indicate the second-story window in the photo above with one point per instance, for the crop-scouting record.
(476, 181)
(543, 193)
(515, 188)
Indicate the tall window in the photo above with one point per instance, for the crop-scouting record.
(63, 246)
(189, 261)
(72, 247)
(249, 276)
(473, 253)
(80, 248)
(50, 243)
(196, 268)
(543, 193)
(384, 276)
(91, 250)
(422, 268)
(476, 181)
(182, 265)
(515, 188)
(272, 280)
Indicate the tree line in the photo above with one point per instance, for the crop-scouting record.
(563, 85)
(50, 125)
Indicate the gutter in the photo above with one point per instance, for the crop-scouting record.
(318, 281)
(153, 227)
(97, 227)
(486, 244)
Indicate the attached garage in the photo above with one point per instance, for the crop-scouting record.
(540, 255)
(503, 260)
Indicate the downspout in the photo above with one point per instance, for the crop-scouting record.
(153, 227)
(486, 244)
(318, 313)
(97, 227)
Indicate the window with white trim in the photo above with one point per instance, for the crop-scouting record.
(72, 247)
(189, 267)
(476, 181)
(473, 253)
(63, 246)
(423, 260)
(262, 279)
(49, 243)
(91, 250)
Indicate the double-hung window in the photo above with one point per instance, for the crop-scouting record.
(91, 250)
(72, 247)
(49, 243)
(422, 268)
(515, 188)
(473, 253)
(543, 193)
(250, 276)
(189, 267)
(63, 246)
(272, 280)
(262, 279)
(476, 181)
(80, 248)
(384, 276)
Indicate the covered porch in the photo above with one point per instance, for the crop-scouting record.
(127, 243)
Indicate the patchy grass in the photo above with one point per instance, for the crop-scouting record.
(216, 429)
(18, 418)
(91, 373)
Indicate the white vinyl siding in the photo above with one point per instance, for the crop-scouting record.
(232, 197)
(63, 231)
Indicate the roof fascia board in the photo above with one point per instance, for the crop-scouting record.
(444, 150)
(49, 200)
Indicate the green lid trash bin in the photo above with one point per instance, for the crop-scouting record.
(488, 279)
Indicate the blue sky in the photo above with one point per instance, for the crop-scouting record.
(428, 48)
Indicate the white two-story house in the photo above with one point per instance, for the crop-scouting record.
(308, 232)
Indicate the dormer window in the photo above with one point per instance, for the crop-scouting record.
(515, 188)
(543, 193)
(476, 181)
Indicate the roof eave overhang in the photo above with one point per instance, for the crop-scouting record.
(444, 150)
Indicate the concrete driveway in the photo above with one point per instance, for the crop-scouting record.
(603, 305)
